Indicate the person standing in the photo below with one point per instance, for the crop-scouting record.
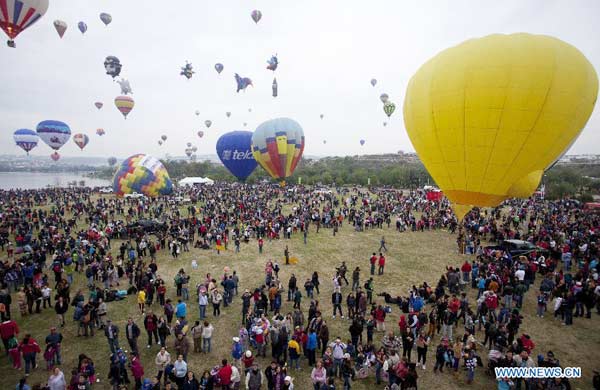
(261, 242)
(373, 261)
(202, 303)
(224, 374)
(29, 348)
(336, 301)
(355, 279)
(381, 263)
(57, 381)
(182, 345)
(54, 340)
(137, 370)
(132, 332)
(60, 307)
(151, 326)
(382, 244)
(141, 299)
(311, 347)
(207, 331)
(180, 371)
(112, 336)
(286, 253)
(162, 360)
(8, 330)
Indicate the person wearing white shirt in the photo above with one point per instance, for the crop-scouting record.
(56, 381)
(520, 274)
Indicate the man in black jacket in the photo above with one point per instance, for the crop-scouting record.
(112, 335)
(132, 332)
(336, 301)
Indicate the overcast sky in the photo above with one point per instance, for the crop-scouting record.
(328, 51)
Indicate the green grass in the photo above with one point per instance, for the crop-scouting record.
(412, 259)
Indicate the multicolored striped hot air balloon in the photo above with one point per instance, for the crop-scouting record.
(277, 145)
(143, 174)
(124, 104)
(18, 15)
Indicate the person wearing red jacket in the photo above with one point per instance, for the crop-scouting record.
(373, 260)
(466, 271)
(151, 325)
(528, 344)
(8, 329)
(29, 348)
(380, 318)
(224, 374)
(137, 370)
(381, 264)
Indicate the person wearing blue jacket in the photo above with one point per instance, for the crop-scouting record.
(311, 347)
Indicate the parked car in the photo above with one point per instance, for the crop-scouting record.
(105, 190)
(518, 248)
(135, 195)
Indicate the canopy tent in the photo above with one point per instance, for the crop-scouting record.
(190, 181)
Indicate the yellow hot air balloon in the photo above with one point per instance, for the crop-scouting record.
(488, 116)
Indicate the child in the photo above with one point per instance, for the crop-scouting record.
(206, 382)
(541, 304)
(471, 363)
(14, 352)
(49, 356)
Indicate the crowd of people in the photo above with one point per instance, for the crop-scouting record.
(75, 253)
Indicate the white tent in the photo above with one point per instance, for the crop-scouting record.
(190, 181)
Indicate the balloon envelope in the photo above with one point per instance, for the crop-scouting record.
(112, 161)
(488, 116)
(373, 82)
(124, 104)
(208, 123)
(98, 105)
(235, 152)
(105, 18)
(384, 98)
(82, 27)
(277, 145)
(60, 27)
(256, 15)
(100, 132)
(55, 156)
(143, 174)
(54, 133)
(219, 67)
(22, 14)
(389, 108)
(81, 140)
(26, 139)
(200, 134)
(362, 142)
(163, 137)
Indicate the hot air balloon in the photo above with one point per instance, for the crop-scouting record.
(54, 133)
(384, 98)
(256, 15)
(26, 139)
(277, 145)
(228, 114)
(488, 116)
(124, 104)
(187, 70)
(208, 123)
(22, 15)
(197, 112)
(250, 109)
(273, 63)
(81, 140)
(125, 87)
(113, 66)
(219, 67)
(82, 27)
(160, 143)
(55, 156)
(99, 105)
(245, 124)
(189, 144)
(143, 174)
(242, 82)
(188, 152)
(194, 149)
(100, 132)
(389, 108)
(163, 137)
(105, 18)
(200, 134)
(373, 82)
(60, 27)
(112, 161)
(324, 142)
(384, 124)
(321, 116)
(235, 152)
(362, 142)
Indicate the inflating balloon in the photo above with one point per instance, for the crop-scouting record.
(277, 145)
(23, 14)
(82, 27)
(200, 134)
(60, 27)
(163, 137)
(373, 82)
(187, 70)
(54, 133)
(124, 104)
(26, 139)
(242, 82)
(100, 132)
(219, 67)
(112, 161)
(207, 123)
(384, 98)
(142, 174)
(105, 18)
(125, 87)
(235, 152)
(389, 108)
(488, 116)
(362, 142)
(98, 105)
(256, 15)
(273, 63)
(81, 140)
(55, 156)
(113, 66)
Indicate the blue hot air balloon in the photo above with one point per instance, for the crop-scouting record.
(26, 139)
(54, 133)
(82, 27)
(235, 151)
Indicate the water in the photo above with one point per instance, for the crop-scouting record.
(34, 180)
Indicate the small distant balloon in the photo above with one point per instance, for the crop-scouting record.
(384, 124)
(160, 142)
(100, 132)
(219, 67)
(256, 15)
(163, 137)
(273, 63)
(389, 108)
(99, 105)
(60, 27)
(250, 110)
(194, 149)
(228, 114)
(324, 142)
(82, 27)
(197, 112)
(187, 70)
(208, 123)
(245, 124)
(373, 82)
(105, 18)
(200, 134)
(81, 140)
(362, 142)
(321, 116)
(55, 156)
(384, 98)
(125, 87)
(274, 86)
(188, 152)
(112, 161)
(189, 144)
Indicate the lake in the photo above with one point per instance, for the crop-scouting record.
(34, 180)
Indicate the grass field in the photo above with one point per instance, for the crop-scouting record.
(411, 259)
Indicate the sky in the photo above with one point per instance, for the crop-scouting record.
(328, 52)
